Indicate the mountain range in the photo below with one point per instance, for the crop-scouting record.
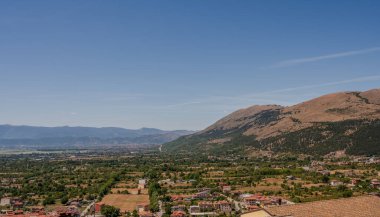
(347, 122)
(11, 136)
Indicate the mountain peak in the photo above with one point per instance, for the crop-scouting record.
(346, 113)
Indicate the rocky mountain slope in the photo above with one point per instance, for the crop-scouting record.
(347, 121)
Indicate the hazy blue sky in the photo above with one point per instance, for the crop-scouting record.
(178, 64)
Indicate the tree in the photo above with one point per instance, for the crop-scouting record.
(48, 200)
(168, 209)
(110, 211)
(135, 214)
(64, 199)
(325, 179)
(154, 207)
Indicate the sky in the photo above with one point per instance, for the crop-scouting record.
(178, 64)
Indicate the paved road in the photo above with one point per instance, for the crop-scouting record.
(236, 203)
(85, 211)
(161, 212)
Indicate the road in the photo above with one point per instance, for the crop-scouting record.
(85, 211)
(236, 203)
(161, 212)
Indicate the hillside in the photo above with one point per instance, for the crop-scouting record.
(348, 121)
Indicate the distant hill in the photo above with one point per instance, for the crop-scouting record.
(345, 121)
(54, 136)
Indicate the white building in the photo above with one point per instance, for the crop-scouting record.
(6, 201)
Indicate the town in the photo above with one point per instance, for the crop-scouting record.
(148, 183)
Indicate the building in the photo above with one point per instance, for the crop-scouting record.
(361, 206)
(142, 184)
(5, 201)
(253, 199)
(253, 208)
(178, 214)
(194, 209)
(262, 201)
(226, 188)
(142, 181)
(223, 206)
(142, 207)
(206, 206)
(178, 208)
(257, 213)
(375, 183)
(146, 214)
(98, 206)
(354, 182)
(290, 177)
(201, 195)
(336, 183)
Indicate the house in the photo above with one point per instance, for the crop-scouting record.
(17, 204)
(5, 201)
(142, 207)
(223, 206)
(180, 198)
(216, 173)
(324, 172)
(201, 194)
(67, 212)
(263, 201)
(336, 183)
(98, 206)
(142, 184)
(178, 214)
(242, 196)
(178, 208)
(226, 188)
(37, 209)
(290, 178)
(166, 182)
(206, 206)
(354, 182)
(146, 214)
(375, 183)
(253, 200)
(194, 209)
(257, 213)
(360, 206)
(252, 208)
(75, 203)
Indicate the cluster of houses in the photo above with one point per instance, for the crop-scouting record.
(11, 202)
(207, 205)
(249, 202)
(257, 201)
(204, 208)
(40, 212)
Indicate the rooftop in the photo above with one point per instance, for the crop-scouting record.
(361, 206)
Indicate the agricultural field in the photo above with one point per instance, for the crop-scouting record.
(125, 202)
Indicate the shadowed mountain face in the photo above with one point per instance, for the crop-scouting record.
(55, 136)
(348, 121)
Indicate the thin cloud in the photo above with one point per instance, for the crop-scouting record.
(298, 61)
(273, 96)
(354, 80)
(182, 104)
(285, 96)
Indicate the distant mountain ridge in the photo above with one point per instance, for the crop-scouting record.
(31, 135)
(347, 121)
(32, 132)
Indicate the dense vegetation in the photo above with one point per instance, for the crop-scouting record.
(357, 137)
